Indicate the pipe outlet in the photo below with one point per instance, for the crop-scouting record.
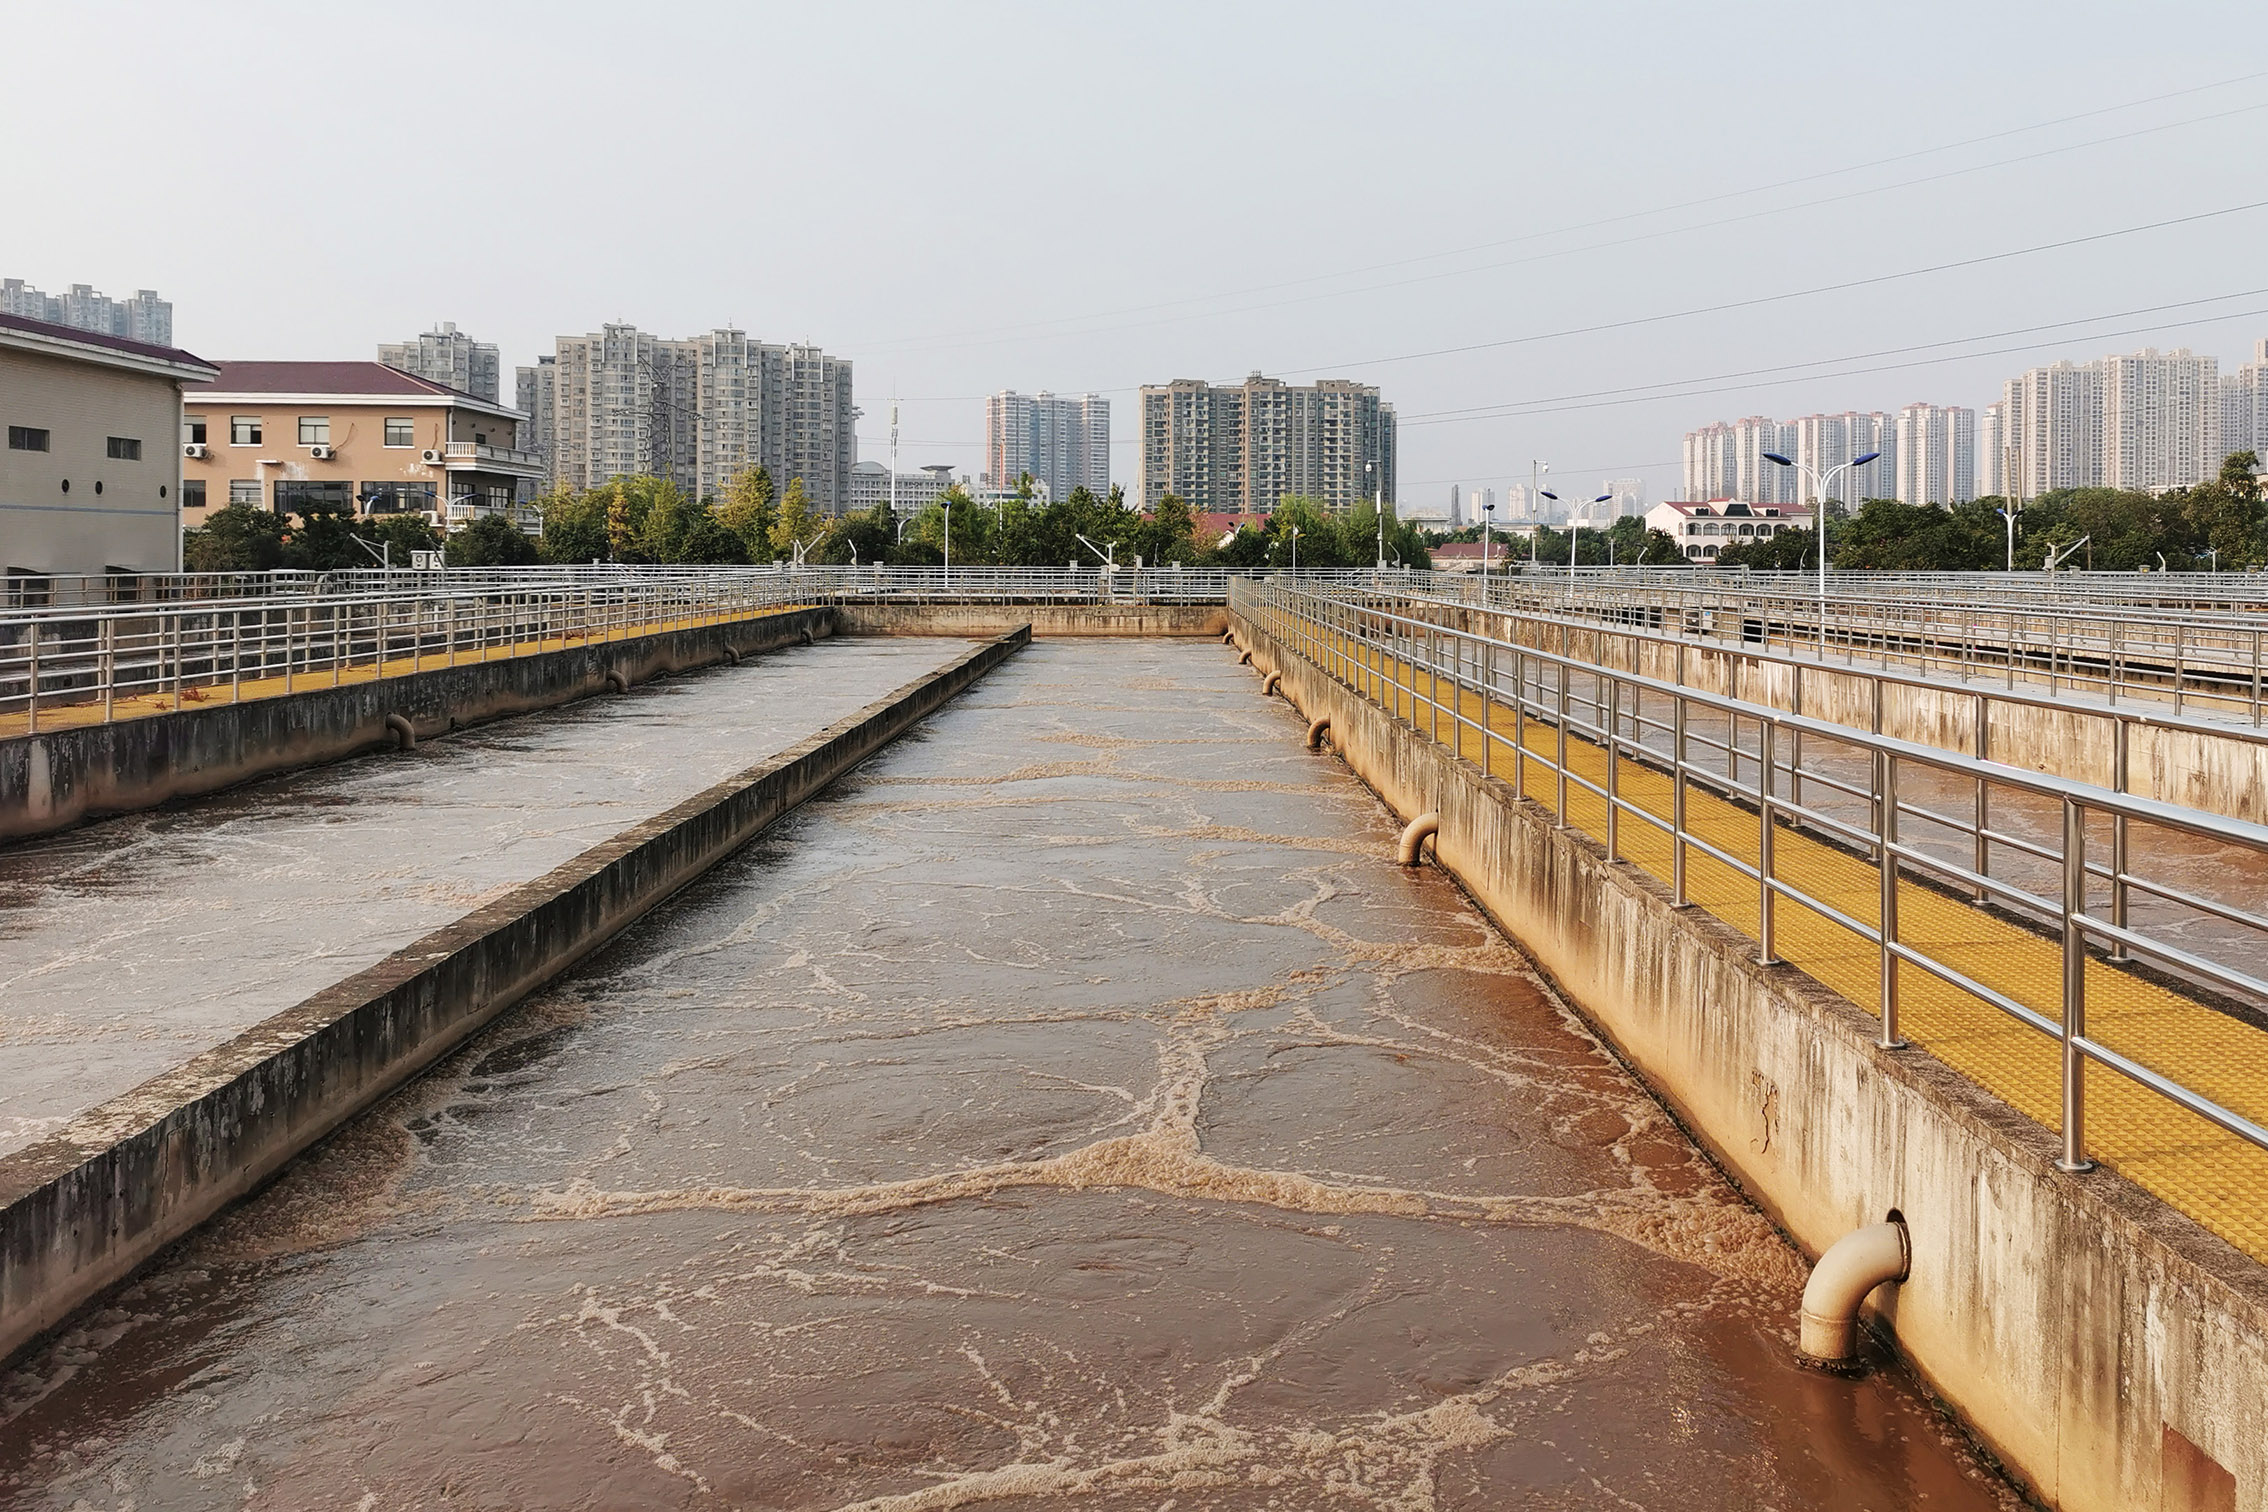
(732, 656)
(1228, 637)
(807, 640)
(1273, 681)
(1414, 837)
(404, 733)
(1315, 732)
(616, 681)
(1244, 659)
(1853, 1266)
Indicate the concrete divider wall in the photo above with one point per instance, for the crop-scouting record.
(2197, 768)
(54, 779)
(855, 618)
(84, 1207)
(2111, 1351)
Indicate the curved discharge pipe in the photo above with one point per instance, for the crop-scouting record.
(1228, 637)
(1414, 837)
(1853, 1266)
(1244, 659)
(1268, 687)
(1315, 732)
(616, 681)
(404, 733)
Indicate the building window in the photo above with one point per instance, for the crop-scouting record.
(401, 431)
(298, 497)
(26, 438)
(193, 429)
(124, 449)
(244, 430)
(314, 430)
(244, 491)
(396, 498)
(193, 493)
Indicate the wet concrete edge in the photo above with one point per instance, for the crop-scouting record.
(83, 1208)
(55, 779)
(2070, 1321)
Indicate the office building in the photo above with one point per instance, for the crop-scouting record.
(144, 318)
(1246, 447)
(1064, 443)
(1936, 454)
(359, 437)
(448, 356)
(699, 412)
(90, 479)
(870, 485)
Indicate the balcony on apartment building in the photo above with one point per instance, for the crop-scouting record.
(479, 456)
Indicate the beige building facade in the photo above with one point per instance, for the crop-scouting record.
(90, 476)
(355, 436)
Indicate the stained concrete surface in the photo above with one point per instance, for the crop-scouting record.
(1076, 1101)
(129, 945)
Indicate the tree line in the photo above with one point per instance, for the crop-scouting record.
(2220, 523)
(652, 520)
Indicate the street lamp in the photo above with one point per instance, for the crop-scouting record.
(1573, 531)
(1819, 484)
(1488, 513)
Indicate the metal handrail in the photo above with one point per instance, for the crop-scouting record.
(1438, 672)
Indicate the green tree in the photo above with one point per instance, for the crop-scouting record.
(575, 526)
(669, 517)
(321, 539)
(397, 535)
(238, 538)
(795, 523)
(491, 540)
(747, 512)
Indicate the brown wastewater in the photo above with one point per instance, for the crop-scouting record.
(1075, 1106)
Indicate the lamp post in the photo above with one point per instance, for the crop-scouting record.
(1819, 482)
(1488, 513)
(1573, 531)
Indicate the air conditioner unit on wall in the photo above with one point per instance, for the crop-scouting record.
(431, 457)
(193, 450)
(322, 453)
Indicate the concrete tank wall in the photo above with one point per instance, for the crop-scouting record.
(54, 779)
(855, 618)
(2109, 1349)
(82, 1208)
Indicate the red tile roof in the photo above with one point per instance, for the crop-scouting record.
(100, 339)
(328, 378)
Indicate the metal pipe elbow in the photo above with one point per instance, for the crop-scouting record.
(1853, 1266)
(1315, 732)
(1415, 835)
(1270, 683)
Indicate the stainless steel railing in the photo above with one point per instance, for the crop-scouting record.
(2199, 927)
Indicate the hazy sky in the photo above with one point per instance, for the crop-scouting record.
(969, 197)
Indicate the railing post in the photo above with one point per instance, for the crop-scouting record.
(1678, 898)
(1886, 778)
(1613, 785)
(2074, 1156)
(109, 667)
(1519, 722)
(1561, 773)
(2118, 951)
(1766, 954)
(31, 680)
(1487, 719)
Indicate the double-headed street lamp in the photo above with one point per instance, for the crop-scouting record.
(1819, 482)
(1573, 530)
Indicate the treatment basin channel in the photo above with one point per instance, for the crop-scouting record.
(1076, 1101)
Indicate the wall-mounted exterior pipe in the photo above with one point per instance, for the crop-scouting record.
(1270, 684)
(616, 681)
(404, 733)
(732, 656)
(1414, 838)
(1854, 1265)
(807, 640)
(1244, 658)
(1315, 732)
(1228, 637)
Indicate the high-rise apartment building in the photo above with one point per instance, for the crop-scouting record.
(1245, 448)
(2244, 405)
(1629, 495)
(699, 412)
(1937, 454)
(447, 355)
(2161, 419)
(144, 318)
(1063, 443)
(536, 395)
(1727, 461)
(1994, 465)
(2052, 426)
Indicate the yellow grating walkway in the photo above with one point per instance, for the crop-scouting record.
(2216, 1178)
(197, 695)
